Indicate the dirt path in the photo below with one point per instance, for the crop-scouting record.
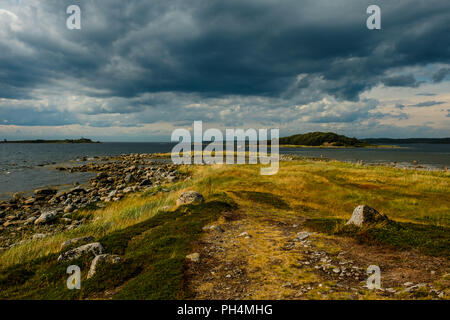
(263, 257)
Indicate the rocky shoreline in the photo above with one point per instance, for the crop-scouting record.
(51, 210)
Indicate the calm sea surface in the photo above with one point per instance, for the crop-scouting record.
(25, 167)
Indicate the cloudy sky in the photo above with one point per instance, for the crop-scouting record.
(139, 69)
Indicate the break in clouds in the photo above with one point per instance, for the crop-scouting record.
(138, 69)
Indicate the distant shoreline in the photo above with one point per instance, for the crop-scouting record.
(342, 147)
(52, 141)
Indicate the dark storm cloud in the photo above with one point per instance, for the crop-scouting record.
(428, 104)
(401, 81)
(426, 94)
(441, 74)
(152, 58)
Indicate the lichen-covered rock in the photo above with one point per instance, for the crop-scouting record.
(100, 259)
(70, 242)
(46, 217)
(364, 214)
(302, 235)
(190, 197)
(94, 248)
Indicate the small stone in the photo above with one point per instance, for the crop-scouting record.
(194, 257)
(190, 197)
(303, 235)
(68, 209)
(129, 178)
(408, 284)
(336, 270)
(30, 220)
(38, 236)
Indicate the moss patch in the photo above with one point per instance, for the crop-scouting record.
(429, 239)
(153, 250)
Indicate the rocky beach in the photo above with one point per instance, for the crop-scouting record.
(51, 210)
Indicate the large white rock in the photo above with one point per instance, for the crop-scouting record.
(364, 214)
(94, 248)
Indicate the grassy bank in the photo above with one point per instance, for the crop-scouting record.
(154, 239)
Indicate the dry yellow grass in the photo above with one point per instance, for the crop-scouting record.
(308, 188)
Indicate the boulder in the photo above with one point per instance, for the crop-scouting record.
(363, 215)
(101, 259)
(94, 248)
(70, 242)
(190, 197)
(46, 217)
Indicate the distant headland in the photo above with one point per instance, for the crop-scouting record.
(82, 140)
(321, 139)
(331, 139)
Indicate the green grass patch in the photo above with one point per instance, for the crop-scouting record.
(265, 198)
(429, 239)
(153, 253)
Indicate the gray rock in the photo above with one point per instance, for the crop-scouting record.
(68, 209)
(38, 236)
(101, 259)
(127, 190)
(190, 197)
(77, 190)
(46, 217)
(70, 242)
(364, 214)
(94, 248)
(30, 220)
(129, 178)
(303, 235)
